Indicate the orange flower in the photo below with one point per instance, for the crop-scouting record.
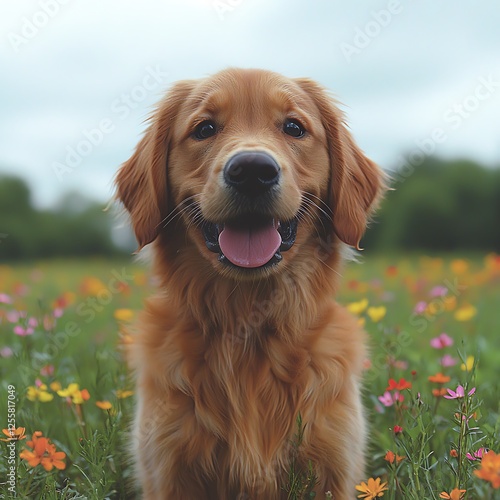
(391, 457)
(372, 489)
(43, 452)
(439, 392)
(103, 405)
(490, 469)
(14, 434)
(454, 494)
(454, 453)
(439, 378)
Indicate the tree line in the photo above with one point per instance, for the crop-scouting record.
(442, 206)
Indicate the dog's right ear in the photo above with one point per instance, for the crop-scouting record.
(141, 181)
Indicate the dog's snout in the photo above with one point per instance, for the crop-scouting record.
(252, 173)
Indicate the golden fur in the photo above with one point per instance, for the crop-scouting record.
(225, 359)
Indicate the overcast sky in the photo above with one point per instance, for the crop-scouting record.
(412, 74)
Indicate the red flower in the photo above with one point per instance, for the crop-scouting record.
(397, 429)
(398, 386)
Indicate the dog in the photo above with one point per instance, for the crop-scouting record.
(248, 186)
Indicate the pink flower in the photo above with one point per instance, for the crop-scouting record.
(477, 455)
(397, 429)
(438, 291)
(22, 332)
(5, 299)
(13, 316)
(6, 352)
(441, 341)
(459, 393)
(58, 312)
(420, 307)
(448, 360)
(388, 399)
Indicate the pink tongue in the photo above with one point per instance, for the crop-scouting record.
(249, 247)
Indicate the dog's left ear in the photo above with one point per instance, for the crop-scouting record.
(356, 182)
(141, 181)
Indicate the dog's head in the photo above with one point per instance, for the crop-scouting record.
(250, 164)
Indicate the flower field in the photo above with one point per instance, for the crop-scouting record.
(432, 383)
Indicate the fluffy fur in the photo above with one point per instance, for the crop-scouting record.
(226, 359)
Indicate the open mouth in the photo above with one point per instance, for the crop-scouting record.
(250, 242)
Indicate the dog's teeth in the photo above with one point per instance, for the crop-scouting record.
(278, 256)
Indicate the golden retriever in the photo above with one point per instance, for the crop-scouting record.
(247, 184)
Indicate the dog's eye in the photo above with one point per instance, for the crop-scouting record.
(293, 128)
(204, 130)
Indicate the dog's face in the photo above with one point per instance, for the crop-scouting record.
(251, 164)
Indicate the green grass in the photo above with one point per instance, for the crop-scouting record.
(82, 347)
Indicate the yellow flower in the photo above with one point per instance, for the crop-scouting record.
(371, 490)
(459, 266)
(454, 494)
(92, 286)
(376, 313)
(468, 365)
(39, 393)
(357, 307)
(124, 314)
(104, 405)
(74, 393)
(465, 313)
(123, 394)
(55, 386)
(140, 279)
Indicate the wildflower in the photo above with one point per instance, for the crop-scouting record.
(459, 266)
(454, 494)
(447, 360)
(465, 313)
(120, 394)
(477, 455)
(47, 370)
(454, 453)
(372, 489)
(43, 452)
(6, 352)
(55, 386)
(123, 314)
(439, 378)
(449, 303)
(420, 307)
(14, 434)
(92, 286)
(74, 395)
(391, 457)
(357, 307)
(39, 393)
(5, 299)
(388, 399)
(397, 429)
(459, 393)
(490, 469)
(439, 392)
(468, 365)
(438, 291)
(104, 405)
(23, 331)
(441, 341)
(376, 314)
(391, 271)
(400, 386)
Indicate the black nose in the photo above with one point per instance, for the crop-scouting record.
(252, 173)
